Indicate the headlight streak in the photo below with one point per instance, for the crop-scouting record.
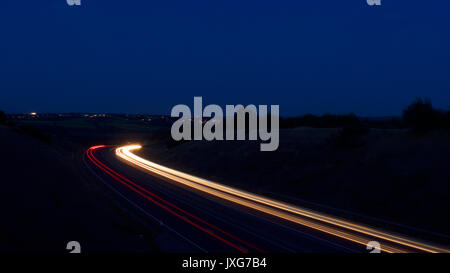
(143, 192)
(319, 221)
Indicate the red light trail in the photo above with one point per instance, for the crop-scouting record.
(146, 194)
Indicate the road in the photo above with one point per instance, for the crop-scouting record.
(198, 215)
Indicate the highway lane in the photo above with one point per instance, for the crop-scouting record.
(209, 217)
(201, 224)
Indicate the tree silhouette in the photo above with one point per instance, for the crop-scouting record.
(420, 116)
(2, 117)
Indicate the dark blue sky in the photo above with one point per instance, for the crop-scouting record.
(145, 56)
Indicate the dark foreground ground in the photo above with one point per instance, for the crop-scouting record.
(386, 174)
(46, 202)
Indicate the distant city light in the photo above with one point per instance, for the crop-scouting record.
(33, 113)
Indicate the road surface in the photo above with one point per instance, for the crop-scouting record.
(197, 215)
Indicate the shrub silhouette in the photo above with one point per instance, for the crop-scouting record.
(447, 120)
(421, 117)
(2, 117)
(351, 134)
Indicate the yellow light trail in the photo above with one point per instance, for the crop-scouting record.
(335, 226)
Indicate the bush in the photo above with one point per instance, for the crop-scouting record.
(2, 117)
(447, 120)
(421, 117)
(351, 134)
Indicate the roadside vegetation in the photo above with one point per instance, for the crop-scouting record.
(420, 116)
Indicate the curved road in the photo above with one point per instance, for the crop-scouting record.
(198, 215)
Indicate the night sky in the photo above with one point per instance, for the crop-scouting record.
(143, 56)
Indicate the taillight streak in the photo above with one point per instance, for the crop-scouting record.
(138, 189)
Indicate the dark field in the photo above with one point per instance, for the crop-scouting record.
(386, 174)
(48, 200)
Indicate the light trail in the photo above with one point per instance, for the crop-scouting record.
(354, 232)
(149, 196)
